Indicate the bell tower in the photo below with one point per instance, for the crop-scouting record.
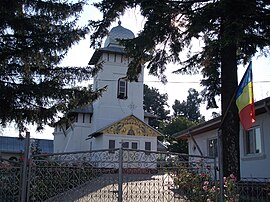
(122, 97)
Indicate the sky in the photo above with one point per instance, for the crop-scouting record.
(177, 86)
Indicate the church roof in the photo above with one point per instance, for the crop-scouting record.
(116, 33)
(261, 106)
(97, 54)
(129, 125)
(149, 115)
(88, 109)
(111, 44)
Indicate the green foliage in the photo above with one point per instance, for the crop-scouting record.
(155, 103)
(34, 38)
(189, 108)
(186, 115)
(199, 186)
(35, 147)
(175, 125)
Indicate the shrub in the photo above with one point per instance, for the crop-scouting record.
(199, 186)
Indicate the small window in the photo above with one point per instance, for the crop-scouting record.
(111, 145)
(253, 141)
(134, 145)
(90, 118)
(125, 145)
(122, 89)
(83, 120)
(147, 147)
(91, 146)
(212, 147)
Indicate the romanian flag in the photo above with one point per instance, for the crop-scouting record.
(245, 99)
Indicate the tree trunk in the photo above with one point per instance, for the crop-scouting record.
(230, 127)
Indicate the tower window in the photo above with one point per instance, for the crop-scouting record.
(83, 118)
(122, 88)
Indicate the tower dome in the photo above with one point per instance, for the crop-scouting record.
(118, 32)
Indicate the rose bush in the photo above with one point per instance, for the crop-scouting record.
(199, 186)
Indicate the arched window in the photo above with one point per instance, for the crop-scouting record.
(122, 88)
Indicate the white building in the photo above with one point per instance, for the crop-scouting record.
(117, 117)
(254, 144)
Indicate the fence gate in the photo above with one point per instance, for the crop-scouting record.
(117, 175)
(109, 175)
(120, 175)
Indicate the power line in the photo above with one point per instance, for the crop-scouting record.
(197, 82)
(175, 82)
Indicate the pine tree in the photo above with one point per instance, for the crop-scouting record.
(35, 35)
(232, 31)
(189, 108)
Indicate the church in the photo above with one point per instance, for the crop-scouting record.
(116, 118)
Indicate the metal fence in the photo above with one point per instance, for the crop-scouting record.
(10, 180)
(254, 189)
(118, 175)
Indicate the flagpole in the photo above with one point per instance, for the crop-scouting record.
(231, 101)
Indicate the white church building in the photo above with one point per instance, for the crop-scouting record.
(117, 117)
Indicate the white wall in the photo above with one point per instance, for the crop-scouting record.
(74, 138)
(109, 109)
(129, 161)
(102, 141)
(201, 141)
(257, 165)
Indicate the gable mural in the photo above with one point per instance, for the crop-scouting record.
(131, 126)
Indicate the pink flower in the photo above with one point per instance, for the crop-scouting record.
(206, 183)
(213, 189)
(205, 188)
(232, 177)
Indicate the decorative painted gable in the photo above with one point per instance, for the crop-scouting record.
(131, 126)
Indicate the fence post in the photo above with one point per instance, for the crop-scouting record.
(120, 175)
(215, 176)
(26, 154)
(220, 156)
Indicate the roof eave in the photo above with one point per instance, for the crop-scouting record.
(260, 107)
(97, 54)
